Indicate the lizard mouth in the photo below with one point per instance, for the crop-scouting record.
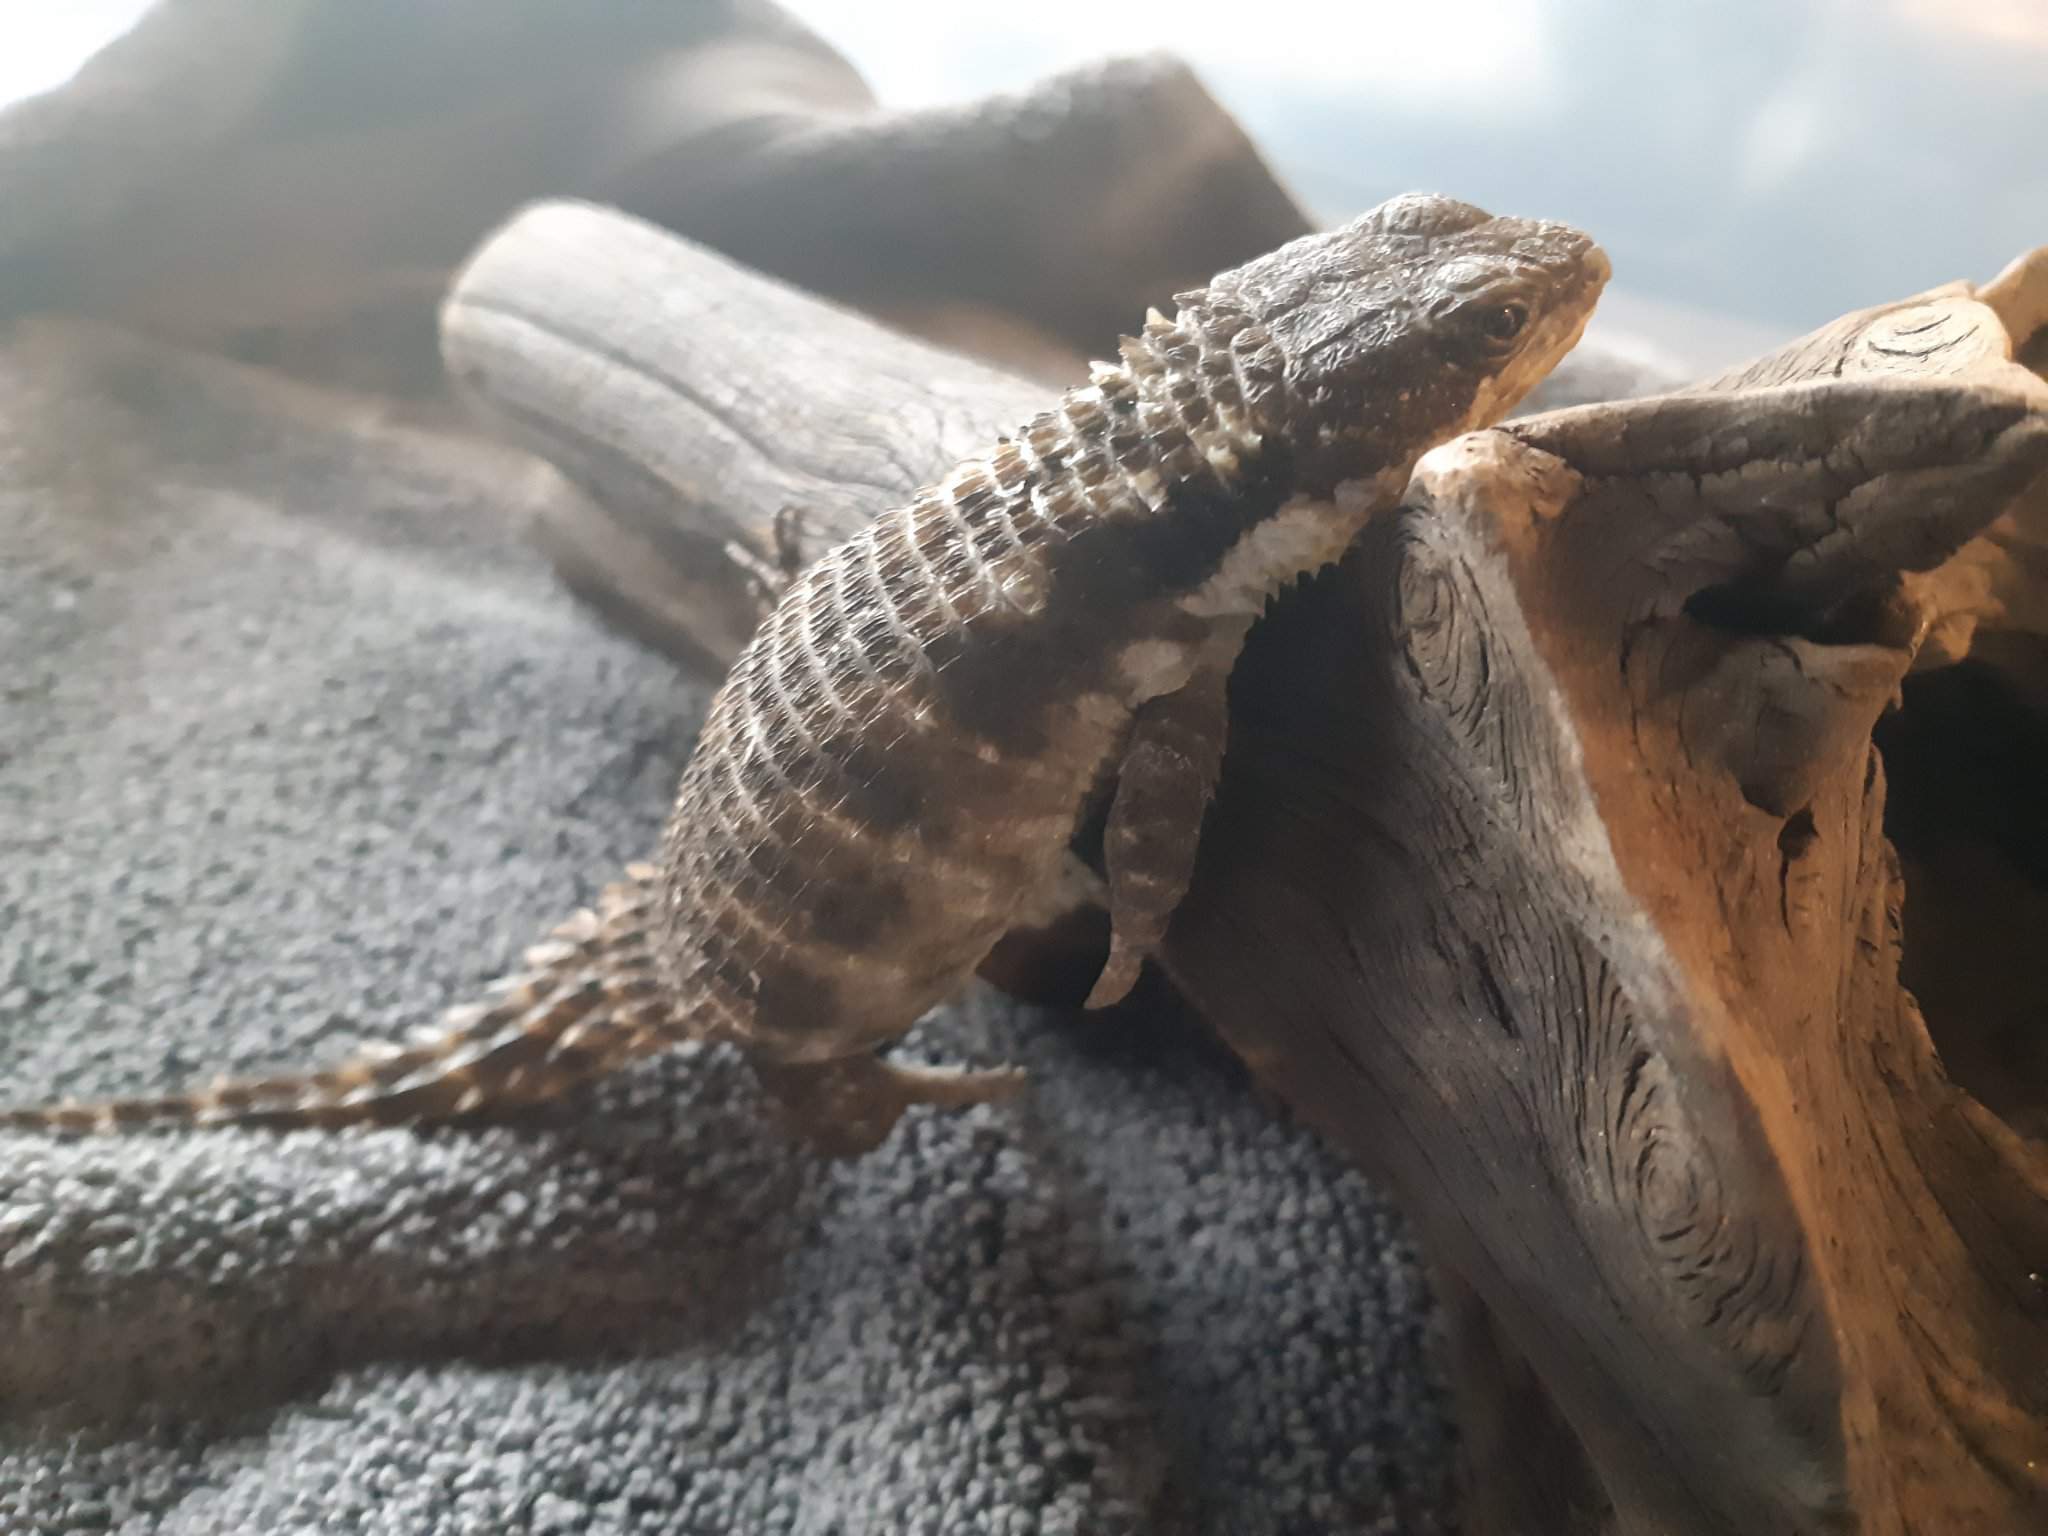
(1576, 281)
(1559, 334)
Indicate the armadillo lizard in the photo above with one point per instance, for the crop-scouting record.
(891, 776)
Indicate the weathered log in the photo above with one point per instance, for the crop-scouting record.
(1487, 899)
(1966, 752)
(294, 183)
(702, 407)
(671, 407)
(721, 423)
(1549, 879)
(1999, 579)
(1548, 855)
(1067, 205)
(277, 179)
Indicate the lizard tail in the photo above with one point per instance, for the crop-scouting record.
(588, 999)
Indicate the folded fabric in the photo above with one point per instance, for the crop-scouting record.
(300, 743)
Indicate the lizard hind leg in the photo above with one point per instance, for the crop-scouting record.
(1168, 777)
(849, 1105)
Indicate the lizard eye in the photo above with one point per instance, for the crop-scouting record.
(1502, 323)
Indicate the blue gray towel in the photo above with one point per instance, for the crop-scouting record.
(298, 743)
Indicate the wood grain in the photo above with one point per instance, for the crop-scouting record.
(648, 386)
(1492, 900)
(1549, 879)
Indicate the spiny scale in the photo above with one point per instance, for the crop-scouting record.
(892, 775)
(787, 794)
(901, 753)
(588, 999)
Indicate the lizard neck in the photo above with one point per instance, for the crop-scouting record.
(1303, 534)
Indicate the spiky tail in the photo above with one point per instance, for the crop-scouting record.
(588, 999)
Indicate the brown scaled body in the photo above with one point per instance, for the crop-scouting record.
(892, 775)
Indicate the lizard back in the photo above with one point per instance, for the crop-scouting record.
(895, 765)
(894, 769)
(892, 774)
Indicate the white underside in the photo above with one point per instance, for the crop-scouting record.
(1304, 535)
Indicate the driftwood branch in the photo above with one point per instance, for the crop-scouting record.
(1564, 900)
(294, 183)
(671, 406)
(145, 112)
(701, 406)
(1965, 814)
(1549, 878)
(722, 424)
(724, 427)
(1066, 205)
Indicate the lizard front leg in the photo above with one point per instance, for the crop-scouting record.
(790, 534)
(1168, 777)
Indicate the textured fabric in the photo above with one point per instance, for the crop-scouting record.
(299, 743)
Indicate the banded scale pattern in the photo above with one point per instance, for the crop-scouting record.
(891, 776)
(588, 999)
(896, 763)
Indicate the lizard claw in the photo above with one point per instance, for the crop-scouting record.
(1119, 975)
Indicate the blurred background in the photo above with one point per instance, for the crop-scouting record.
(1754, 166)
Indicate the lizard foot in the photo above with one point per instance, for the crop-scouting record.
(790, 535)
(797, 539)
(849, 1106)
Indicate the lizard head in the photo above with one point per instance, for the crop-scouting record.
(1417, 321)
